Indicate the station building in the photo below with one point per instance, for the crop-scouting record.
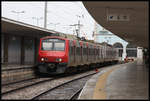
(124, 48)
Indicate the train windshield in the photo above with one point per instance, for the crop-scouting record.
(53, 44)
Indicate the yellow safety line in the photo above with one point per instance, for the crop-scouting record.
(100, 91)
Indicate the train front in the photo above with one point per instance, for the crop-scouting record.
(52, 55)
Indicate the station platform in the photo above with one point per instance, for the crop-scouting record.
(6, 67)
(124, 81)
(14, 73)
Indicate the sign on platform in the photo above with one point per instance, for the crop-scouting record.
(118, 17)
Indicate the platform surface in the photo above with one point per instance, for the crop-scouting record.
(124, 81)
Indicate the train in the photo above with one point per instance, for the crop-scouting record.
(57, 55)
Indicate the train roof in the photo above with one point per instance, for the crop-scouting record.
(74, 38)
(68, 36)
(53, 37)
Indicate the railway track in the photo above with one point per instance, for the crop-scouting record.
(22, 85)
(11, 83)
(33, 89)
(67, 90)
(75, 95)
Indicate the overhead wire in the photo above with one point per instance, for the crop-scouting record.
(64, 11)
(85, 21)
(58, 16)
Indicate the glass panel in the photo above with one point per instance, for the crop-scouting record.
(46, 46)
(53, 44)
(59, 46)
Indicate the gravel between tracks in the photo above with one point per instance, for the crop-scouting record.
(30, 92)
(21, 84)
(65, 91)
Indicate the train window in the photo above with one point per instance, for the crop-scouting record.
(53, 44)
(59, 46)
(47, 46)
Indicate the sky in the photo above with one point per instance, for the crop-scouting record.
(60, 15)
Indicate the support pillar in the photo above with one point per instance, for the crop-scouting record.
(124, 54)
(139, 53)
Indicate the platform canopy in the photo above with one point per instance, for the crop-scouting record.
(126, 19)
(19, 28)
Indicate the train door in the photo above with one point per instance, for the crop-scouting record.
(74, 52)
(99, 57)
(94, 56)
(95, 53)
(90, 56)
(78, 52)
(29, 50)
(2, 49)
(87, 55)
(81, 54)
(14, 50)
(104, 52)
(84, 53)
(71, 52)
(100, 53)
(92, 53)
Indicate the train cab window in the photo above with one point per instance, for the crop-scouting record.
(53, 44)
(59, 46)
(47, 46)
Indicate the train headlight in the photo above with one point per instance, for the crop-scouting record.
(58, 59)
(42, 59)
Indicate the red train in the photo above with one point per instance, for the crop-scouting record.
(60, 55)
